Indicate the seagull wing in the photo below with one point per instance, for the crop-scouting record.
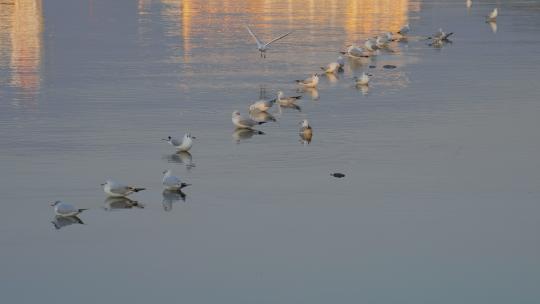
(171, 181)
(65, 209)
(283, 36)
(259, 43)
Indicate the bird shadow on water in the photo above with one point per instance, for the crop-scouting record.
(117, 203)
(241, 134)
(182, 157)
(60, 222)
(170, 197)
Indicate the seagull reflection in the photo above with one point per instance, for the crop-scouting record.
(290, 106)
(181, 158)
(313, 92)
(260, 116)
(332, 78)
(63, 221)
(363, 88)
(116, 203)
(242, 134)
(493, 26)
(170, 197)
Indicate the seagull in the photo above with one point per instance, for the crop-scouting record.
(404, 30)
(492, 17)
(355, 51)
(363, 80)
(65, 209)
(332, 67)
(171, 182)
(370, 45)
(115, 189)
(244, 123)
(262, 105)
(286, 101)
(341, 62)
(381, 42)
(261, 46)
(306, 132)
(182, 146)
(441, 35)
(389, 36)
(310, 82)
(468, 3)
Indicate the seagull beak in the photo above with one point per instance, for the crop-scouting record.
(164, 139)
(102, 184)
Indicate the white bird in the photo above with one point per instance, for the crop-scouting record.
(171, 182)
(381, 42)
(404, 30)
(306, 132)
(493, 15)
(389, 36)
(261, 46)
(182, 146)
(244, 123)
(363, 80)
(341, 62)
(332, 67)
(262, 105)
(441, 35)
(310, 82)
(468, 3)
(65, 209)
(286, 101)
(370, 45)
(355, 51)
(115, 189)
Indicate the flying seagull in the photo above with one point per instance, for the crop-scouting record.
(261, 46)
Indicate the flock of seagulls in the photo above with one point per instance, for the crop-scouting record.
(67, 214)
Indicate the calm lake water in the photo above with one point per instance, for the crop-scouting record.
(440, 203)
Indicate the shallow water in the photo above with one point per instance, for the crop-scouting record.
(440, 201)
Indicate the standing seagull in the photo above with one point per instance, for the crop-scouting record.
(404, 30)
(492, 17)
(244, 123)
(171, 182)
(261, 46)
(182, 146)
(64, 209)
(306, 132)
(115, 189)
(310, 82)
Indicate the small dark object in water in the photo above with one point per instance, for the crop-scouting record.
(337, 175)
(372, 66)
(389, 66)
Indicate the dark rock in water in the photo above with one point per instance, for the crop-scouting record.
(372, 66)
(389, 66)
(337, 175)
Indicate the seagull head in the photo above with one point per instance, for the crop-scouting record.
(305, 123)
(166, 139)
(55, 203)
(279, 94)
(235, 113)
(165, 172)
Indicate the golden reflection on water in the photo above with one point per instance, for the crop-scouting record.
(357, 18)
(21, 44)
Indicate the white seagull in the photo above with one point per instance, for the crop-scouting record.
(341, 62)
(404, 30)
(262, 105)
(286, 101)
(370, 45)
(492, 17)
(363, 80)
(355, 51)
(310, 82)
(332, 67)
(182, 146)
(306, 132)
(115, 189)
(171, 182)
(65, 209)
(261, 46)
(244, 123)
